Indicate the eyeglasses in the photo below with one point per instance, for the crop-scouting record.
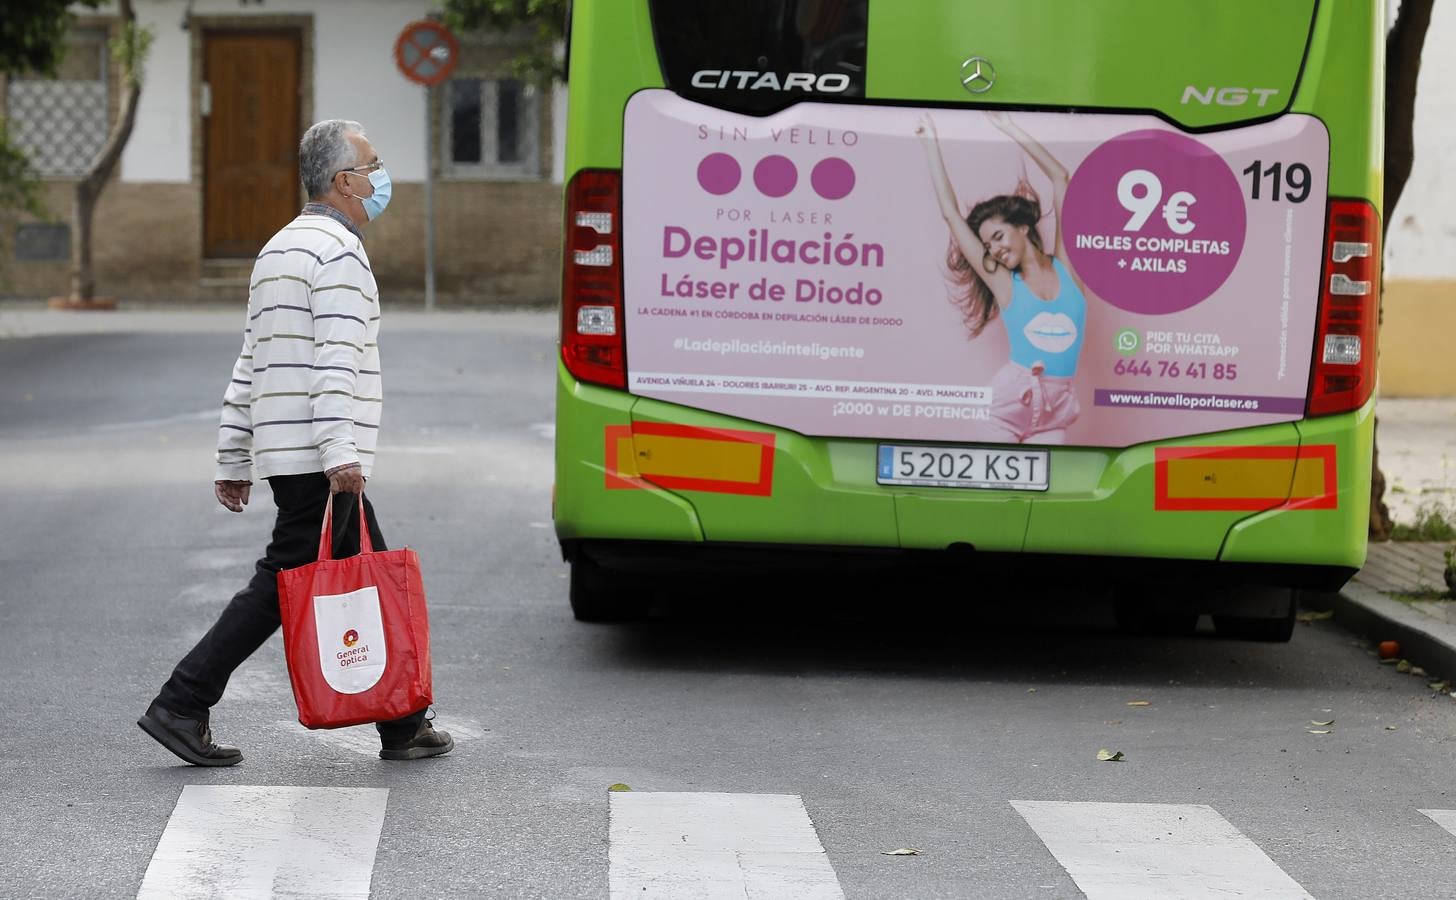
(364, 169)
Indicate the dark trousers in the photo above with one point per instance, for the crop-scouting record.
(252, 616)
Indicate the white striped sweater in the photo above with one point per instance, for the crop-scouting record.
(305, 394)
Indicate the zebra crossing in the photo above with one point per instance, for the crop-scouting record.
(256, 842)
(716, 846)
(1155, 850)
(269, 841)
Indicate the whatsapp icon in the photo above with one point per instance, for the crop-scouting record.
(1128, 342)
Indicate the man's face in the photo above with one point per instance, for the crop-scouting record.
(357, 184)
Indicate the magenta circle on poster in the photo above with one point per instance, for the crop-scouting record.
(1155, 221)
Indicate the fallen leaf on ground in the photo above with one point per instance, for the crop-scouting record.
(1403, 666)
(619, 789)
(1418, 672)
(903, 851)
(1321, 724)
(1390, 728)
(1388, 661)
(1139, 703)
(1109, 756)
(1319, 731)
(1442, 686)
(1031, 690)
(1316, 616)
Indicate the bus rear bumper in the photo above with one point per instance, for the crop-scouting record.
(1085, 574)
(642, 480)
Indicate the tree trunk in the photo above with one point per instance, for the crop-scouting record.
(83, 207)
(88, 189)
(1402, 70)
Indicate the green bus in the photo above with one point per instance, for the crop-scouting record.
(1064, 284)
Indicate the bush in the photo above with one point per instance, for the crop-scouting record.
(1434, 522)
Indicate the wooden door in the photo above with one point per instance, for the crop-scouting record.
(250, 168)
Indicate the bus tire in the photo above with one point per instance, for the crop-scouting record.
(1277, 629)
(598, 595)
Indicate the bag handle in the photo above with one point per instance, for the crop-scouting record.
(326, 535)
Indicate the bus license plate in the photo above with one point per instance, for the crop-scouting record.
(998, 468)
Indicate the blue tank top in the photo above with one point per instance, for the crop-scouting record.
(1046, 331)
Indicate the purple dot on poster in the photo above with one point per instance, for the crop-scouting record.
(719, 173)
(832, 178)
(775, 175)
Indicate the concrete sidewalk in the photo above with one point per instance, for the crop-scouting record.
(1417, 444)
(1401, 594)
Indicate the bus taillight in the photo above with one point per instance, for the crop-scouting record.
(592, 342)
(1344, 351)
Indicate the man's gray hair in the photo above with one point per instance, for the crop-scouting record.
(324, 150)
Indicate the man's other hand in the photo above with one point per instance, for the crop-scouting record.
(233, 494)
(346, 479)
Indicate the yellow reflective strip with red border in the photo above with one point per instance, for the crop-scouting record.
(684, 457)
(1245, 478)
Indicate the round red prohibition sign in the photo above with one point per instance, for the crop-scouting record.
(426, 52)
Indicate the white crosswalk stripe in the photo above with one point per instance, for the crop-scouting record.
(1119, 850)
(706, 845)
(261, 842)
(264, 842)
(1446, 818)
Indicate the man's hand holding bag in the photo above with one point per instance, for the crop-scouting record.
(356, 633)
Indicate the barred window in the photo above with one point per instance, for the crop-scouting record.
(62, 123)
(492, 128)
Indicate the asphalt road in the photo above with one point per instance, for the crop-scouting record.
(902, 716)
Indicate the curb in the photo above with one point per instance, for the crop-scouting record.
(1426, 642)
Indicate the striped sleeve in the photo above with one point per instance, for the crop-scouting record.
(344, 301)
(235, 432)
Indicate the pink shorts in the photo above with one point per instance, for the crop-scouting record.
(1026, 403)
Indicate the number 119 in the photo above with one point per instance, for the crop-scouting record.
(1295, 181)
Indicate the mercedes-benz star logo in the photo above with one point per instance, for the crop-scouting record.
(978, 75)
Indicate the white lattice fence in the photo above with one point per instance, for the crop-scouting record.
(61, 125)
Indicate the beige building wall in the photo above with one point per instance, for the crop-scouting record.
(497, 237)
(497, 243)
(1416, 352)
(1416, 359)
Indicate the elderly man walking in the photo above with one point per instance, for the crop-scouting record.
(303, 409)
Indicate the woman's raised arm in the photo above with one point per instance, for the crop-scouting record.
(970, 245)
(1049, 165)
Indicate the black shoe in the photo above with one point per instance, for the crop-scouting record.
(190, 739)
(426, 742)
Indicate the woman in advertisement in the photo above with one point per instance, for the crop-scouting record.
(999, 267)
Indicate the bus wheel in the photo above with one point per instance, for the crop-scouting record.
(598, 595)
(1145, 619)
(1274, 629)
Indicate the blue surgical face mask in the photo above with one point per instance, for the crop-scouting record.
(375, 203)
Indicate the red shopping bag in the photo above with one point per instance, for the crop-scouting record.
(356, 633)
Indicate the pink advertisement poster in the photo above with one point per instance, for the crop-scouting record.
(971, 276)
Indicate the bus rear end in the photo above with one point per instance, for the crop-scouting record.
(1092, 281)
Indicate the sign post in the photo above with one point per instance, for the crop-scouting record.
(426, 53)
